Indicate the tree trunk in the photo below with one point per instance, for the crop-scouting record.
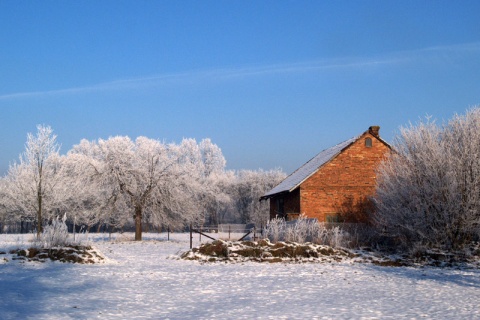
(39, 220)
(39, 212)
(138, 224)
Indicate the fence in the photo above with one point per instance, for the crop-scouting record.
(234, 232)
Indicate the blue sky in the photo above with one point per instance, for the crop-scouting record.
(271, 82)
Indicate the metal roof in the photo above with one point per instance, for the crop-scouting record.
(291, 182)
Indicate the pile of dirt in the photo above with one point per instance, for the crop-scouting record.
(288, 252)
(265, 251)
(72, 254)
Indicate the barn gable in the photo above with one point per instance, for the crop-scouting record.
(340, 175)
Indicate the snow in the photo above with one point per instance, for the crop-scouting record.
(146, 280)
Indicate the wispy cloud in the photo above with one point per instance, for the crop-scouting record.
(463, 48)
(224, 74)
(195, 75)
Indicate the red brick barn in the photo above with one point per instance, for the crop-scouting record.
(335, 185)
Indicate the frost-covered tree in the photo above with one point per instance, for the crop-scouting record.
(3, 207)
(216, 200)
(213, 198)
(428, 190)
(248, 187)
(212, 158)
(106, 182)
(32, 184)
(146, 176)
(89, 202)
(209, 185)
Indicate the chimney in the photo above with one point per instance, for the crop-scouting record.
(374, 130)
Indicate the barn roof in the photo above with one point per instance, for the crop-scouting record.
(291, 182)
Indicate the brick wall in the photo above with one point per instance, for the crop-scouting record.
(347, 179)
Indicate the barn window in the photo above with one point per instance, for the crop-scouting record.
(368, 142)
(332, 218)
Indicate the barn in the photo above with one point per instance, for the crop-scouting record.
(335, 185)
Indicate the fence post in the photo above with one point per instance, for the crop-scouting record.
(168, 233)
(191, 236)
(229, 232)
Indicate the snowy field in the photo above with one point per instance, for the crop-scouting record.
(143, 280)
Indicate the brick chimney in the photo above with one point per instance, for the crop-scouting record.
(374, 130)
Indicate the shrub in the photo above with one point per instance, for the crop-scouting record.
(55, 234)
(428, 191)
(275, 229)
(299, 231)
(306, 230)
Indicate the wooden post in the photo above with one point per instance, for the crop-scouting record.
(229, 232)
(168, 233)
(191, 236)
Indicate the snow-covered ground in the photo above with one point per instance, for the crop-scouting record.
(143, 280)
